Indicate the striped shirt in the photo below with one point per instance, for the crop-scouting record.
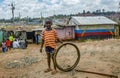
(50, 38)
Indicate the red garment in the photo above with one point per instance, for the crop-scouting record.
(8, 43)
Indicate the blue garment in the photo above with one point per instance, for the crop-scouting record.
(49, 49)
(4, 49)
(37, 39)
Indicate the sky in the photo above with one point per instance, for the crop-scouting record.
(36, 8)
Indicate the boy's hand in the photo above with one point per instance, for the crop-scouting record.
(40, 50)
(60, 41)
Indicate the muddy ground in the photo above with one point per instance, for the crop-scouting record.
(101, 56)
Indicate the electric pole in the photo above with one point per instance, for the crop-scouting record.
(41, 15)
(118, 8)
(19, 16)
(12, 9)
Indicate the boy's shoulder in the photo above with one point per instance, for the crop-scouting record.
(54, 29)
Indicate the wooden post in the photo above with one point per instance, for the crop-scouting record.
(116, 30)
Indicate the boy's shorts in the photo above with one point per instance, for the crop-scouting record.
(49, 49)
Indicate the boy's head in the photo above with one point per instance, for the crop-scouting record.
(48, 21)
(48, 24)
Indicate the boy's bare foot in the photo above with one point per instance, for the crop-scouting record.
(54, 72)
(48, 70)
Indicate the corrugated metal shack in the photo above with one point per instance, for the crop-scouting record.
(95, 27)
(65, 32)
(22, 32)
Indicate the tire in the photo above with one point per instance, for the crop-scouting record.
(76, 62)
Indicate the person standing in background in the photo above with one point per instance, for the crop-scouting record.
(8, 44)
(11, 40)
(4, 49)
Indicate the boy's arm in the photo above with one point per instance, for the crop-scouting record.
(42, 37)
(42, 46)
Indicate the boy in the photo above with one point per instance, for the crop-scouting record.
(49, 38)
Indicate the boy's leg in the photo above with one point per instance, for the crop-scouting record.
(3, 49)
(6, 48)
(53, 59)
(49, 62)
(9, 47)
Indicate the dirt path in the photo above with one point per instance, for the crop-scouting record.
(97, 56)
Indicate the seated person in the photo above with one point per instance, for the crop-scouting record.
(16, 44)
(22, 44)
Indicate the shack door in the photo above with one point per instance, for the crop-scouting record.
(69, 33)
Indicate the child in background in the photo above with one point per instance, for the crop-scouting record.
(4, 46)
(8, 44)
(11, 38)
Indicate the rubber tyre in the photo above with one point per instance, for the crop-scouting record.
(76, 62)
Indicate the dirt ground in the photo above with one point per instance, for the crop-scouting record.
(101, 56)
